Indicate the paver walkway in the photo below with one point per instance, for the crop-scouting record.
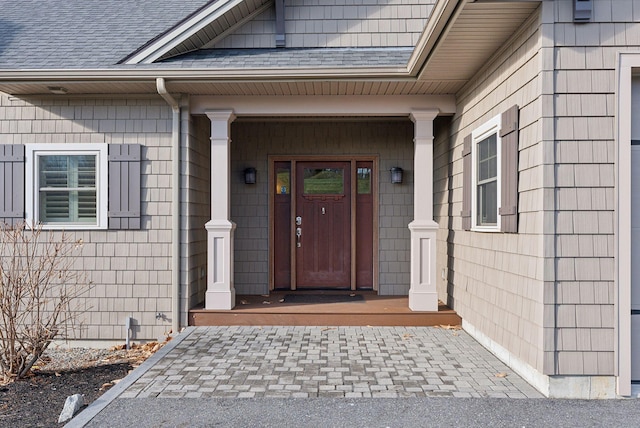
(351, 362)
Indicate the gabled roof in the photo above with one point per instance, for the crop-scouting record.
(100, 46)
(202, 28)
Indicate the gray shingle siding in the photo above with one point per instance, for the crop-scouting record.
(130, 269)
(495, 280)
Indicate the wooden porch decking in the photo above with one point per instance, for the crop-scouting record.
(371, 309)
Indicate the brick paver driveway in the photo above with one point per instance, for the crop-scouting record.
(328, 362)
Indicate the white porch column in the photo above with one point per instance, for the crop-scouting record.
(423, 295)
(221, 293)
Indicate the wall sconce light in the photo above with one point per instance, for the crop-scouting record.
(396, 175)
(250, 176)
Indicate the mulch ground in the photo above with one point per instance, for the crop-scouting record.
(37, 400)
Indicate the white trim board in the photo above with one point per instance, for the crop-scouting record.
(329, 105)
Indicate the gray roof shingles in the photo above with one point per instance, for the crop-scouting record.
(292, 58)
(82, 34)
(97, 34)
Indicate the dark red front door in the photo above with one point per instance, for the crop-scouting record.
(323, 225)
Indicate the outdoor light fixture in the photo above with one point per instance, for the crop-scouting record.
(250, 176)
(58, 90)
(396, 175)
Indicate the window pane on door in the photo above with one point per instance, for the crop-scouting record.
(364, 181)
(325, 181)
(283, 181)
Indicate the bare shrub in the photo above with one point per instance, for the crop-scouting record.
(38, 285)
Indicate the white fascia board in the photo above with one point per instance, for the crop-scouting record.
(182, 32)
(62, 75)
(324, 105)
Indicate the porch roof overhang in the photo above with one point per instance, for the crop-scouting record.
(460, 37)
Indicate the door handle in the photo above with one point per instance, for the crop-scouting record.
(298, 236)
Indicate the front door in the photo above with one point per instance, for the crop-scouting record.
(323, 224)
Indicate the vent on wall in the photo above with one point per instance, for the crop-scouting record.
(582, 10)
(280, 35)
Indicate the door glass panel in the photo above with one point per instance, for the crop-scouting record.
(325, 181)
(364, 181)
(283, 181)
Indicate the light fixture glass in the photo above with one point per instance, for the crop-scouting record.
(250, 175)
(396, 175)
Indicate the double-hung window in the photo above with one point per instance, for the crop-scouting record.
(67, 185)
(490, 175)
(485, 158)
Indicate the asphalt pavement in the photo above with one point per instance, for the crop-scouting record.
(368, 412)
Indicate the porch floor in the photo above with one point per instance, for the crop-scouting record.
(319, 309)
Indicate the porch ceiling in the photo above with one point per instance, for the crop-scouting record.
(448, 57)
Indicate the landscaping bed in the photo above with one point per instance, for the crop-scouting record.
(38, 399)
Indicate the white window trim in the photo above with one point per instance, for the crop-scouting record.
(488, 128)
(32, 184)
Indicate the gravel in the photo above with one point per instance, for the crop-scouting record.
(68, 359)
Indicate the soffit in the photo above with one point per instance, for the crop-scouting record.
(201, 87)
(479, 31)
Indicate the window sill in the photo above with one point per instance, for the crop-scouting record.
(71, 226)
(486, 229)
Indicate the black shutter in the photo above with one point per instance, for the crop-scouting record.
(12, 183)
(466, 183)
(124, 186)
(509, 194)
